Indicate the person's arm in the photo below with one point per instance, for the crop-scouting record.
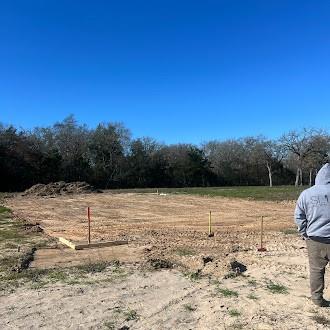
(300, 216)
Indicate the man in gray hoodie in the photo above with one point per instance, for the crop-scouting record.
(312, 215)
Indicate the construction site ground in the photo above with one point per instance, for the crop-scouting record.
(194, 285)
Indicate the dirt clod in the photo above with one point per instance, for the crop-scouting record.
(237, 267)
(207, 259)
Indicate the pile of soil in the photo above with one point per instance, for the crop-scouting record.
(59, 188)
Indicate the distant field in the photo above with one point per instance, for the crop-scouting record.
(278, 193)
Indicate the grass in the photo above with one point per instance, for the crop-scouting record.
(110, 325)
(277, 288)
(39, 278)
(252, 296)
(234, 313)
(253, 283)
(4, 209)
(131, 315)
(290, 231)
(236, 326)
(193, 276)
(185, 252)
(189, 308)
(321, 320)
(277, 193)
(227, 293)
(94, 267)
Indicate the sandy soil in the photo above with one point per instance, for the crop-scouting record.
(172, 227)
(168, 300)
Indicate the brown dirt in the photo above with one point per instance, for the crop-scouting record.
(175, 226)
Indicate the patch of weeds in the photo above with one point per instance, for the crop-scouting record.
(193, 276)
(160, 264)
(12, 279)
(290, 231)
(236, 326)
(131, 315)
(10, 234)
(189, 308)
(4, 210)
(234, 313)
(252, 296)
(215, 282)
(277, 288)
(110, 325)
(10, 245)
(320, 319)
(93, 267)
(118, 271)
(38, 285)
(252, 283)
(8, 263)
(231, 275)
(185, 252)
(227, 293)
(57, 276)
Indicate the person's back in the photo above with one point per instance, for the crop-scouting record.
(312, 215)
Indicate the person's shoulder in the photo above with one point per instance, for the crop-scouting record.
(307, 192)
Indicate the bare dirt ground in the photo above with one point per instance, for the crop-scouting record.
(199, 293)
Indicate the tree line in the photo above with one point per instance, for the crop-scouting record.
(108, 157)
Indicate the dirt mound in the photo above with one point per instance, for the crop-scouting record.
(59, 188)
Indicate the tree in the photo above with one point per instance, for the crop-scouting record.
(304, 144)
(106, 149)
(71, 140)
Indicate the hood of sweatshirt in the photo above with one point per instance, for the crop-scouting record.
(323, 176)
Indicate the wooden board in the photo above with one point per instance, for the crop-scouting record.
(80, 246)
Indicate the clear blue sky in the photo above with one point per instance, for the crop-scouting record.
(175, 70)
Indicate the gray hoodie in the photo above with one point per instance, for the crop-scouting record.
(312, 213)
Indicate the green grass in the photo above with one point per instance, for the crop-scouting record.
(277, 193)
(94, 267)
(253, 283)
(321, 320)
(290, 231)
(252, 296)
(227, 293)
(131, 315)
(189, 308)
(110, 325)
(184, 252)
(234, 313)
(193, 276)
(4, 209)
(277, 288)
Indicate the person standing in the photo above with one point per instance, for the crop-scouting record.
(312, 216)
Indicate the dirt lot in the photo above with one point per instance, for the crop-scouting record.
(173, 226)
(199, 293)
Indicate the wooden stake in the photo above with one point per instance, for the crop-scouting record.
(262, 232)
(89, 224)
(210, 225)
(262, 249)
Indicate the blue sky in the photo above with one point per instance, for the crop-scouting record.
(178, 71)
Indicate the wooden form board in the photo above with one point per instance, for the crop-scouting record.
(80, 246)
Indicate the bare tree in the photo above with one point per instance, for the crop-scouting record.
(303, 145)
